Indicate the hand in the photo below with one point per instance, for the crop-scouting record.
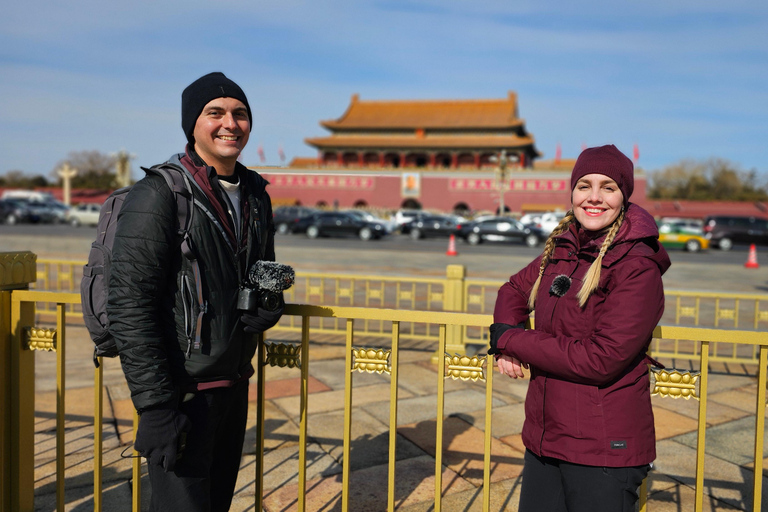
(161, 436)
(261, 319)
(511, 366)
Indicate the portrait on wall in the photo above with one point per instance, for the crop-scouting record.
(410, 184)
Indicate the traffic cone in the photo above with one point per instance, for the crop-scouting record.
(752, 258)
(451, 247)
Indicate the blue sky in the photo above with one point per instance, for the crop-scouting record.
(682, 79)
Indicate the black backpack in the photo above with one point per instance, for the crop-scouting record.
(94, 286)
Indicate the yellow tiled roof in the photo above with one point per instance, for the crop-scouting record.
(413, 114)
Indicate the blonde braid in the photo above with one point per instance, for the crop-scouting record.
(549, 248)
(592, 277)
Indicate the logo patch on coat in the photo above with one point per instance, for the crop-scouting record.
(618, 445)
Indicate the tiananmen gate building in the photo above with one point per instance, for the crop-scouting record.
(432, 154)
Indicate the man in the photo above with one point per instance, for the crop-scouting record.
(184, 347)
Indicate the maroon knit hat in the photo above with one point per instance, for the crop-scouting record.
(608, 161)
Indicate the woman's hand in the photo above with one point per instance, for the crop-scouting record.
(511, 366)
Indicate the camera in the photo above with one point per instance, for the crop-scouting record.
(264, 285)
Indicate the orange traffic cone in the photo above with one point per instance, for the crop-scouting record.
(451, 247)
(752, 258)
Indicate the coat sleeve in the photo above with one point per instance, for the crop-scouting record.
(512, 300)
(137, 305)
(625, 323)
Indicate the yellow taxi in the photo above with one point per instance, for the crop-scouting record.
(680, 236)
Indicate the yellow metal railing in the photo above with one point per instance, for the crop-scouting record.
(26, 337)
(457, 293)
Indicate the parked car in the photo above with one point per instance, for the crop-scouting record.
(685, 224)
(339, 224)
(84, 214)
(530, 218)
(726, 230)
(682, 236)
(388, 224)
(501, 229)
(434, 226)
(403, 217)
(13, 211)
(43, 211)
(285, 217)
(549, 221)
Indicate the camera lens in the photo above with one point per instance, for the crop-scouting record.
(270, 301)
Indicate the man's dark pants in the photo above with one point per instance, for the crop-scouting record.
(205, 475)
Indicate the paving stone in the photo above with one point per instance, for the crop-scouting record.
(504, 496)
(333, 373)
(515, 441)
(723, 480)
(281, 466)
(670, 424)
(369, 444)
(733, 441)
(741, 398)
(80, 498)
(123, 412)
(414, 483)
(506, 420)
(716, 412)
(334, 400)
(421, 408)
(463, 449)
(279, 388)
(279, 430)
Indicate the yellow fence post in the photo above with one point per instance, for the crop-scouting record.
(454, 301)
(17, 270)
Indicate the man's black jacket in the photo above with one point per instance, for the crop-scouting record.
(152, 286)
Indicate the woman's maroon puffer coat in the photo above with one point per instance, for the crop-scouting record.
(588, 398)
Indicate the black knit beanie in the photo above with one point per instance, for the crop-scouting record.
(608, 161)
(200, 92)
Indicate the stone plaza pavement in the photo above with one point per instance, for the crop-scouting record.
(730, 434)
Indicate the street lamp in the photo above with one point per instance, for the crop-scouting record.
(501, 176)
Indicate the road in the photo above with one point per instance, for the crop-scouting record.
(712, 270)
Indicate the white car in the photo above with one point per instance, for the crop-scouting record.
(549, 221)
(84, 214)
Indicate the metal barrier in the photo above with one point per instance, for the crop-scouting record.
(456, 292)
(17, 433)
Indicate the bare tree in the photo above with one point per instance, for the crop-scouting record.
(95, 169)
(712, 179)
(17, 179)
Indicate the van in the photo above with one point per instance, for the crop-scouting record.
(726, 230)
(28, 195)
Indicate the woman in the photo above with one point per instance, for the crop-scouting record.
(598, 295)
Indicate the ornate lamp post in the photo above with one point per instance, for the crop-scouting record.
(67, 173)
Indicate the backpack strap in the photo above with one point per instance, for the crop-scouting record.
(178, 181)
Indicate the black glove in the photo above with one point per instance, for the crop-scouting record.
(496, 331)
(261, 319)
(161, 436)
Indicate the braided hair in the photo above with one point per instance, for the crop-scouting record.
(592, 277)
